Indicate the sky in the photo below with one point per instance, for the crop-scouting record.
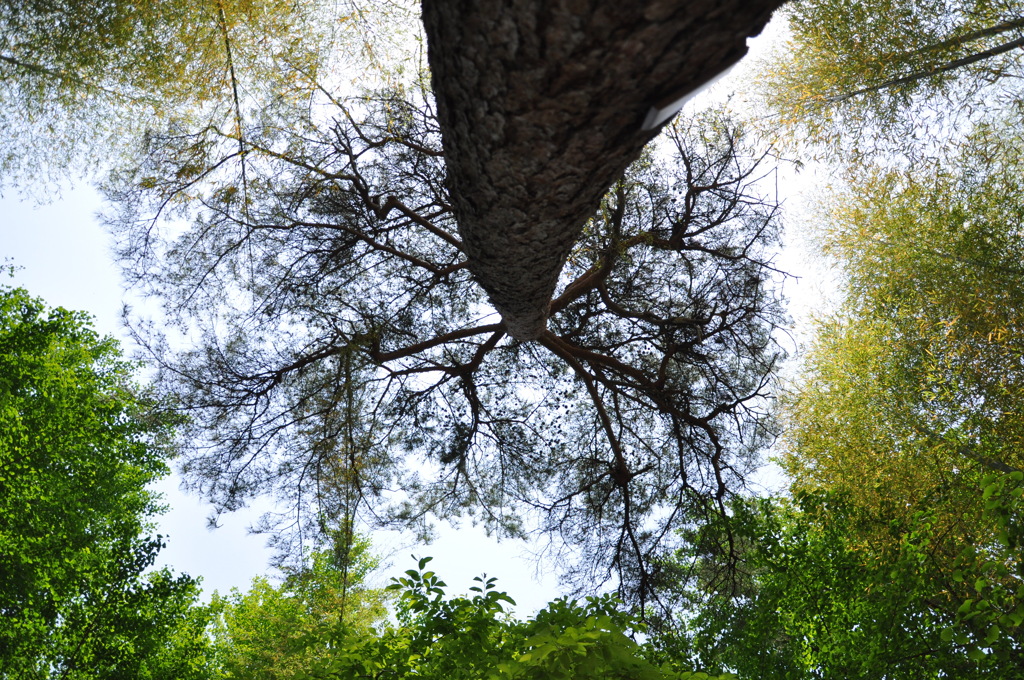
(65, 258)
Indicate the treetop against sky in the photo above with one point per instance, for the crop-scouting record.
(331, 261)
(389, 296)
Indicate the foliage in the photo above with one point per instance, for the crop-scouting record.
(895, 76)
(908, 398)
(79, 442)
(276, 632)
(305, 628)
(819, 603)
(992, 619)
(337, 336)
(473, 638)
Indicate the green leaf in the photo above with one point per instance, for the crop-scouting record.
(992, 635)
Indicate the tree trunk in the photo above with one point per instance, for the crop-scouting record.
(542, 105)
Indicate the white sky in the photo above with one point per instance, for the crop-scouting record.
(66, 260)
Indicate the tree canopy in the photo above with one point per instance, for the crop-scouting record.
(909, 395)
(815, 602)
(438, 636)
(380, 342)
(79, 442)
(323, 621)
(345, 358)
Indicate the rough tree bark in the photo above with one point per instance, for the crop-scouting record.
(542, 104)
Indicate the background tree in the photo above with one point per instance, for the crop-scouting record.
(909, 397)
(900, 551)
(347, 360)
(79, 442)
(910, 387)
(285, 631)
(815, 601)
(81, 83)
(894, 76)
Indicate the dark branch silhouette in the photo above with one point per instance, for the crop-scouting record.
(337, 340)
